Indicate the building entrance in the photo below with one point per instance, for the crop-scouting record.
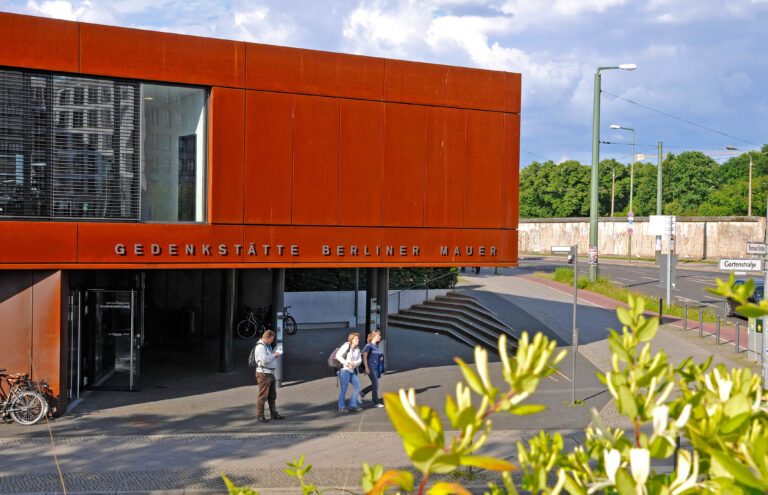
(104, 340)
(114, 340)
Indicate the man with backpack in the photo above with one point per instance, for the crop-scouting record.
(262, 358)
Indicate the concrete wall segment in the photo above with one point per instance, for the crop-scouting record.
(708, 238)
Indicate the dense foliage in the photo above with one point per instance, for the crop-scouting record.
(321, 279)
(693, 184)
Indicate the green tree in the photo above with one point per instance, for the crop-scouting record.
(688, 180)
(554, 190)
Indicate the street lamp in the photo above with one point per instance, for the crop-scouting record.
(749, 200)
(631, 212)
(595, 161)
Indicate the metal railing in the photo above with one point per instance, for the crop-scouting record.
(426, 288)
(717, 331)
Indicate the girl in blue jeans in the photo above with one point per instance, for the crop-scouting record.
(349, 356)
(371, 358)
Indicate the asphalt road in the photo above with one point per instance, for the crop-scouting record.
(691, 280)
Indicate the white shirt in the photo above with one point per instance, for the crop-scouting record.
(353, 358)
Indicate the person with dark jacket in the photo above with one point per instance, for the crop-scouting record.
(265, 377)
(371, 358)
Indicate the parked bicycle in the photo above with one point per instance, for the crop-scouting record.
(289, 322)
(254, 325)
(25, 400)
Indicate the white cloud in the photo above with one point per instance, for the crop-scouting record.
(257, 25)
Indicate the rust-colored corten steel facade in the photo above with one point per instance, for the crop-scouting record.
(314, 159)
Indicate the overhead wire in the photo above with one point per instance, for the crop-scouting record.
(680, 119)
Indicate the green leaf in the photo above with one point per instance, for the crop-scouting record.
(661, 448)
(485, 462)
(445, 463)
(526, 409)
(737, 405)
(617, 347)
(451, 411)
(626, 404)
(624, 316)
(751, 311)
(410, 431)
(423, 457)
(466, 417)
(725, 465)
(624, 482)
(647, 331)
(473, 381)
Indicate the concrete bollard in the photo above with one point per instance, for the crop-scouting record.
(685, 317)
(701, 321)
(738, 336)
(717, 331)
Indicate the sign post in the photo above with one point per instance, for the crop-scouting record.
(572, 251)
(630, 231)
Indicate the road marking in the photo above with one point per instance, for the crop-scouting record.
(647, 278)
(701, 281)
(624, 279)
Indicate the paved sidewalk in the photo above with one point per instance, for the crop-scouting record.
(182, 432)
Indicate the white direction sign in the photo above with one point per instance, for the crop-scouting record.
(741, 265)
(562, 249)
(661, 224)
(755, 248)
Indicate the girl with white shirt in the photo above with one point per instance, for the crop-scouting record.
(350, 358)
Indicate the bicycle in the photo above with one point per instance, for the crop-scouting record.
(253, 324)
(25, 401)
(289, 322)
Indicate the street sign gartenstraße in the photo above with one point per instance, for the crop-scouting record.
(756, 248)
(744, 265)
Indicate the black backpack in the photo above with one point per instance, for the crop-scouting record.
(333, 363)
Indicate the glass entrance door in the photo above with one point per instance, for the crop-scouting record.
(115, 340)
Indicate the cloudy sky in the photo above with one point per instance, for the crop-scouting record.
(700, 83)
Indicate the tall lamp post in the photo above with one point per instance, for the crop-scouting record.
(749, 200)
(631, 187)
(595, 177)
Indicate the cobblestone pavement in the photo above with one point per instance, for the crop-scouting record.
(190, 424)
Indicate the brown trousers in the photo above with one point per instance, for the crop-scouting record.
(267, 393)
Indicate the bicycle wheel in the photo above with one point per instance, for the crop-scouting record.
(289, 325)
(28, 407)
(246, 329)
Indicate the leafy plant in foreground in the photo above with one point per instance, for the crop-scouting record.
(719, 415)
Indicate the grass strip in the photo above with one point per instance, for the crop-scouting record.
(604, 286)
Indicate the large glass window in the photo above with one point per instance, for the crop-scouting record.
(173, 157)
(69, 149)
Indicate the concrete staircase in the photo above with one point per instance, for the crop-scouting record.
(460, 316)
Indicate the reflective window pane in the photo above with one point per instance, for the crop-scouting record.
(173, 159)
